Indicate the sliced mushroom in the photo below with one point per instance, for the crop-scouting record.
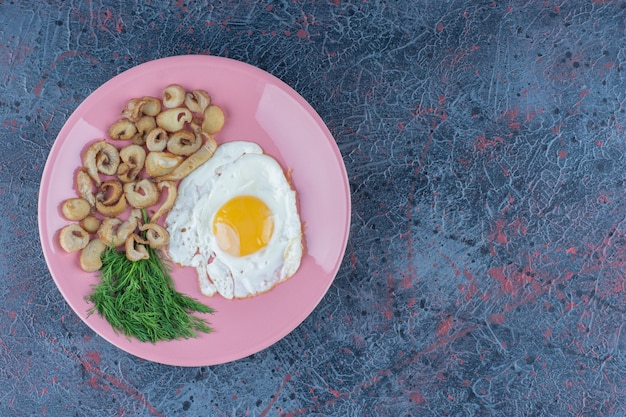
(196, 124)
(135, 249)
(156, 139)
(91, 255)
(173, 95)
(111, 191)
(75, 208)
(133, 110)
(112, 210)
(123, 129)
(111, 201)
(156, 235)
(133, 158)
(152, 106)
(84, 186)
(142, 193)
(161, 163)
(194, 160)
(90, 223)
(114, 231)
(197, 101)
(144, 125)
(174, 119)
(213, 119)
(184, 142)
(73, 238)
(167, 205)
(102, 157)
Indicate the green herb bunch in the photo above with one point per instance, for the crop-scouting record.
(138, 299)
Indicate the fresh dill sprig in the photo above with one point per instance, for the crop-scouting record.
(139, 300)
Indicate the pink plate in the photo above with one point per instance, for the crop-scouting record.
(259, 108)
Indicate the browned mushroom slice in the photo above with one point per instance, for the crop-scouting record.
(167, 205)
(135, 249)
(102, 157)
(84, 186)
(156, 235)
(91, 255)
(133, 158)
(73, 238)
(142, 193)
(156, 139)
(152, 106)
(123, 129)
(112, 191)
(114, 232)
(111, 201)
(197, 101)
(144, 125)
(133, 110)
(184, 142)
(75, 208)
(213, 119)
(194, 160)
(174, 119)
(90, 223)
(161, 163)
(173, 95)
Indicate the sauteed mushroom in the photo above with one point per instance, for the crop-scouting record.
(135, 249)
(167, 205)
(161, 163)
(102, 157)
(213, 119)
(73, 238)
(152, 106)
(156, 235)
(84, 186)
(90, 223)
(184, 142)
(91, 255)
(123, 129)
(144, 125)
(174, 119)
(173, 95)
(156, 139)
(142, 193)
(194, 160)
(111, 201)
(114, 232)
(197, 101)
(132, 111)
(75, 208)
(133, 158)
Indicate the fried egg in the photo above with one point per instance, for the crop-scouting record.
(236, 222)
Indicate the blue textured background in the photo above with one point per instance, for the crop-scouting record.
(484, 143)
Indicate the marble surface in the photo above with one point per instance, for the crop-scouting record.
(484, 144)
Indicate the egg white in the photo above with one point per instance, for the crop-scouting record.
(236, 168)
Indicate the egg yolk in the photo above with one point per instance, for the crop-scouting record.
(243, 225)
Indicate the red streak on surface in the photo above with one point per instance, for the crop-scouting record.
(91, 367)
(267, 409)
(482, 143)
(39, 87)
(497, 318)
(417, 397)
(499, 276)
(445, 326)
